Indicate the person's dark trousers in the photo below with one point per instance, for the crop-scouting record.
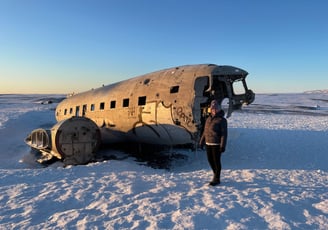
(214, 159)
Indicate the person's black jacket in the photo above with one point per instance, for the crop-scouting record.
(215, 130)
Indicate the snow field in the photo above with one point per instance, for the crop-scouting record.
(275, 176)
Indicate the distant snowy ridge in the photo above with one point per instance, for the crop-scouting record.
(318, 91)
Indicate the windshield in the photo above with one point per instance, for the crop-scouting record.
(238, 87)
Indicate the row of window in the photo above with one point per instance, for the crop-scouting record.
(112, 105)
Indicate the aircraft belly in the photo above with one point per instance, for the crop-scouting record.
(110, 136)
(149, 134)
(165, 134)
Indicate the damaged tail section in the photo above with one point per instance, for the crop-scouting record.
(74, 140)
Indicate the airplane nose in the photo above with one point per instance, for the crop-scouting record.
(250, 97)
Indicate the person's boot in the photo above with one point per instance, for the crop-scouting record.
(215, 181)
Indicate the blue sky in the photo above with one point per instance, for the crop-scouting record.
(64, 46)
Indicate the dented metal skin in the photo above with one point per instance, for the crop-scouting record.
(166, 107)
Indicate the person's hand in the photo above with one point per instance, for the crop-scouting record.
(222, 149)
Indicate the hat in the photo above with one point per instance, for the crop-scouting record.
(215, 105)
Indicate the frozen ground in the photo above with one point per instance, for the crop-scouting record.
(275, 175)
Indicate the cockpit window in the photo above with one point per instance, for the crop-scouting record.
(238, 87)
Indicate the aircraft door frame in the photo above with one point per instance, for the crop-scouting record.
(201, 100)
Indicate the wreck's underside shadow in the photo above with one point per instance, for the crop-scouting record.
(155, 156)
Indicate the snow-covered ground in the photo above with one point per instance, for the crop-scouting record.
(275, 175)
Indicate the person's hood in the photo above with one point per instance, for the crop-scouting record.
(221, 113)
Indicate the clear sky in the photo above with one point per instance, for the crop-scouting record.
(64, 46)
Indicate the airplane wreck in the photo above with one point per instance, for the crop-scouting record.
(166, 107)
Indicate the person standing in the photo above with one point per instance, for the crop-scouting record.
(215, 138)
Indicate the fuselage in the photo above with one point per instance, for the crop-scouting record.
(165, 107)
